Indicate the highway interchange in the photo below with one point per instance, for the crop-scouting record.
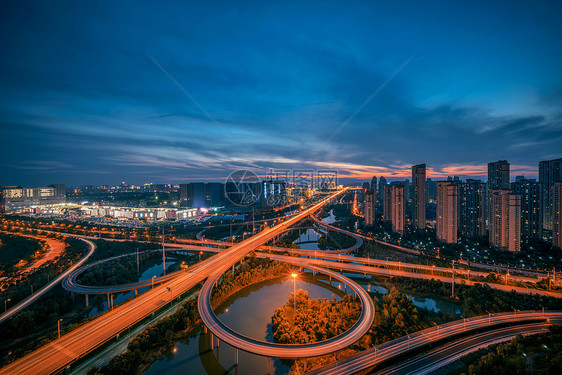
(60, 353)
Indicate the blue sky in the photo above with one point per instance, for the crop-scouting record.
(103, 92)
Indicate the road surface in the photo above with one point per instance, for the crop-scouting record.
(429, 362)
(400, 346)
(269, 349)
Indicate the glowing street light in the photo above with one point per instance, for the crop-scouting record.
(58, 325)
(9, 299)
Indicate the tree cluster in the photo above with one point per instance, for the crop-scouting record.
(315, 319)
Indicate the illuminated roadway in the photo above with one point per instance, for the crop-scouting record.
(39, 293)
(429, 362)
(60, 353)
(402, 345)
(269, 349)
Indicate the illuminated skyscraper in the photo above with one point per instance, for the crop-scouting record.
(498, 175)
(531, 216)
(387, 199)
(472, 208)
(369, 208)
(550, 172)
(505, 220)
(556, 192)
(380, 193)
(418, 196)
(447, 211)
(498, 179)
(398, 207)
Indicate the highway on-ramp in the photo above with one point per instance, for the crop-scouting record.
(270, 349)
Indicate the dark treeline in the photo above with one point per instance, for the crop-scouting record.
(479, 298)
(13, 249)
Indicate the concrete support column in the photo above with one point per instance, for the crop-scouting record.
(236, 360)
(86, 300)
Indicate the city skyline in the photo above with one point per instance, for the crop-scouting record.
(368, 90)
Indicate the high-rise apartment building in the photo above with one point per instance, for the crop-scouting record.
(418, 196)
(505, 219)
(369, 207)
(531, 216)
(498, 179)
(447, 211)
(550, 172)
(387, 206)
(380, 192)
(556, 192)
(472, 208)
(398, 207)
(498, 175)
(431, 190)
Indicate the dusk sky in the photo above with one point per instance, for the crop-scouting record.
(169, 92)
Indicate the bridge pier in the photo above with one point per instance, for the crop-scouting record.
(108, 301)
(136, 293)
(268, 365)
(86, 300)
(111, 302)
(236, 359)
(212, 341)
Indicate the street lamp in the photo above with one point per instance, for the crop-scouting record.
(294, 293)
(153, 277)
(58, 324)
(5, 302)
(170, 290)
